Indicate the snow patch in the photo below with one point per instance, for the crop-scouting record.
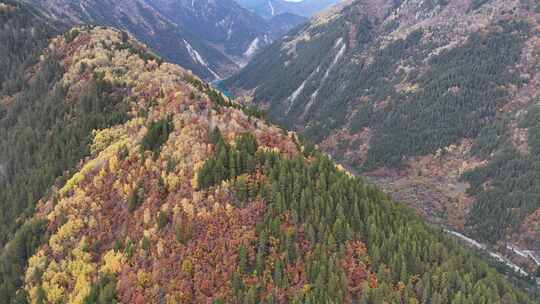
(272, 11)
(229, 33)
(296, 93)
(299, 90)
(252, 48)
(343, 47)
(197, 58)
(338, 56)
(311, 102)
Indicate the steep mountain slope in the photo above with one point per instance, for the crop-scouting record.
(25, 34)
(148, 25)
(44, 132)
(211, 38)
(225, 24)
(416, 93)
(190, 198)
(271, 8)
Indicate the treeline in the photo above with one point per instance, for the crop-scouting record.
(410, 262)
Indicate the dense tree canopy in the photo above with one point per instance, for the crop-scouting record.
(327, 213)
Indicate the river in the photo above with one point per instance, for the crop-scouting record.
(495, 255)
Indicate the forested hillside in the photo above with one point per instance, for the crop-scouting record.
(26, 34)
(45, 128)
(433, 100)
(182, 196)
